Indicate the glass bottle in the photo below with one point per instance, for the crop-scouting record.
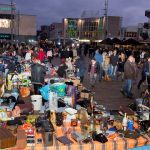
(125, 122)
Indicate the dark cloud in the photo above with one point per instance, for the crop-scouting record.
(49, 11)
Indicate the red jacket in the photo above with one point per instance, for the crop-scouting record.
(41, 55)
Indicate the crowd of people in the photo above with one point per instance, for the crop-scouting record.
(105, 64)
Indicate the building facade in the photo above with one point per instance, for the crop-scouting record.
(56, 31)
(92, 29)
(15, 26)
(130, 32)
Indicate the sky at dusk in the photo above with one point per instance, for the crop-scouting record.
(49, 11)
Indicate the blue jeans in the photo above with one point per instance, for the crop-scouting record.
(127, 87)
(113, 71)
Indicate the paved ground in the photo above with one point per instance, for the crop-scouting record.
(107, 93)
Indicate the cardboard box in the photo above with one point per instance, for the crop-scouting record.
(7, 139)
(21, 139)
(85, 95)
(75, 81)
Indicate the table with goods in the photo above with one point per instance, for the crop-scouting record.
(70, 118)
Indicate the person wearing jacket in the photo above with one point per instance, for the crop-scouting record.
(2, 68)
(130, 74)
(81, 67)
(121, 63)
(99, 58)
(113, 64)
(50, 55)
(148, 74)
(93, 71)
(145, 73)
(41, 55)
(38, 73)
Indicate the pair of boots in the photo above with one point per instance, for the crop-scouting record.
(107, 78)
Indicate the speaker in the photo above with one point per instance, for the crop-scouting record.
(147, 13)
(146, 25)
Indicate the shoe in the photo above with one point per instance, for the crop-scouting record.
(130, 96)
(123, 93)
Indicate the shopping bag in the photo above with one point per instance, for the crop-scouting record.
(45, 92)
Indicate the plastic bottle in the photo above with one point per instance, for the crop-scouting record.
(125, 122)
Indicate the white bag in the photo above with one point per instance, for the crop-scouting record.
(53, 101)
(68, 100)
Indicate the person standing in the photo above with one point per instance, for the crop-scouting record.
(99, 58)
(93, 71)
(28, 56)
(121, 63)
(41, 55)
(50, 55)
(113, 64)
(130, 74)
(81, 67)
(106, 66)
(145, 73)
(38, 73)
(2, 68)
(61, 72)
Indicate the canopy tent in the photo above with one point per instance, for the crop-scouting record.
(131, 42)
(116, 41)
(107, 41)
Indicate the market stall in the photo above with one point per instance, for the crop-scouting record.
(69, 119)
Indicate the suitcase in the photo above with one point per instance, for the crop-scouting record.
(7, 139)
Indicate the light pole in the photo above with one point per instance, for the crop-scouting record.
(106, 18)
(12, 22)
(18, 23)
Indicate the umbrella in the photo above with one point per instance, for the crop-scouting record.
(107, 41)
(116, 41)
(131, 42)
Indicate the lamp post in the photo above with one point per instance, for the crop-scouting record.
(106, 18)
(12, 22)
(18, 24)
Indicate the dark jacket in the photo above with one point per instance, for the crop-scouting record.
(38, 73)
(96, 69)
(2, 67)
(121, 65)
(81, 65)
(114, 60)
(11, 66)
(62, 70)
(146, 68)
(130, 70)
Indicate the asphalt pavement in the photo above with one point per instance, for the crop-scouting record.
(108, 93)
